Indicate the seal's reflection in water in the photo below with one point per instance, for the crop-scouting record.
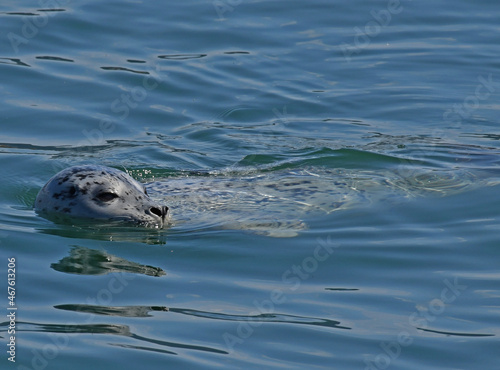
(144, 311)
(113, 329)
(85, 261)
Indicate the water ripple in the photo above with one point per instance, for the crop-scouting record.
(109, 329)
(14, 61)
(181, 56)
(57, 59)
(143, 311)
(124, 69)
(456, 334)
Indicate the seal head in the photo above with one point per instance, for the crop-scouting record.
(99, 193)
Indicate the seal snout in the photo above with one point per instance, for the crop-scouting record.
(160, 212)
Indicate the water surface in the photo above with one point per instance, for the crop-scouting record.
(385, 117)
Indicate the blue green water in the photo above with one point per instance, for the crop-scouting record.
(393, 103)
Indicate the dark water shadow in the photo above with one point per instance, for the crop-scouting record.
(123, 69)
(263, 318)
(143, 311)
(110, 329)
(55, 59)
(14, 61)
(181, 56)
(455, 334)
(124, 311)
(343, 289)
(85, 261)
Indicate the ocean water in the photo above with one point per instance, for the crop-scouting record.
(333, 171)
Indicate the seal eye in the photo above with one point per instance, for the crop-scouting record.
(106, 196)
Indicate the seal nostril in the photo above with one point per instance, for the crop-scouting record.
(156, 211)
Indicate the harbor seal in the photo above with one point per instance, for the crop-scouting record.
(98, 193)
